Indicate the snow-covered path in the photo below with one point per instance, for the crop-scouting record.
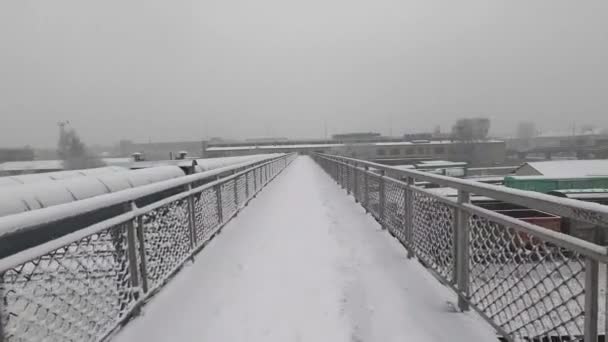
(304, 263)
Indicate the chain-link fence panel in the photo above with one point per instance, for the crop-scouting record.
(166, 240)
(360, 188)
(395, 210)
(433, 234)
(82, 288)
(528, 287)
(74, 293)
(530, 283)
(207, 218)
(350, 179)
(228, 200)
(374, 196)
(263, 175)
(251, 183)
(241, 184)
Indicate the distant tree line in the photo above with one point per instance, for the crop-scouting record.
(73, 152)
(471, 129)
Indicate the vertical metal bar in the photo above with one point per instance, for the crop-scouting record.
(192, 221)
(409, 218)
(356, 183)
(337, 174)
(382, 199)
(218, 196)
(247, 186)
(606, 303)
(462, 256)
(591, 299)
(2, 311)
(142, 254)
(132, 249)
(456, 246)
(349, 189)
(236, 193)
(366, 190)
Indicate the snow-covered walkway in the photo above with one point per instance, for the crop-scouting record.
(304, 263)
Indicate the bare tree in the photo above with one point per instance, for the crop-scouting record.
(73, 152)
(471, 129)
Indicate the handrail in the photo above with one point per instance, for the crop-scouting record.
(114, 263)
(17, 222)
(527, 281)
(583, 211)
(584, 247)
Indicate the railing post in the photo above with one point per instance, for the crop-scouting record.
(462, 251)
(218, 197)
(366, 190)
(382, 199)
(409, 217)
(592, 290)
(267, 173)
(591, 299)
(349, 189)
(255, 181)
(132, 248)
(142, 253)
(2, 313)
(356, 183)
(337, 174)
(246, 186)
(192, 220)
(236, 193)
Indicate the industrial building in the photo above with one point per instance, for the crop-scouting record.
(481, 153)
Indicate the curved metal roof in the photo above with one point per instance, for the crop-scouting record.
(58, 175)
(42, 194)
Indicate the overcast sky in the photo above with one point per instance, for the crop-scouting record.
(187, 69)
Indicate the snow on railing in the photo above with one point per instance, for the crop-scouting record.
(82, 285)
(527, 281)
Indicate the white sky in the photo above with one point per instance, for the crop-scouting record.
(185, 69)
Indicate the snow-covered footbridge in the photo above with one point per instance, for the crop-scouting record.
(298, 260)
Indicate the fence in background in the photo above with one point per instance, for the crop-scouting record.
(83, 285)
(528, 282)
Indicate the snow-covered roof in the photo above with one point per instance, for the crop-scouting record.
(297, 146)
(52, 165)
(58, 175)
(439, 164)
(404, 167)
(32, 165)
(214, 163)
(270, 147)
(25, 197)
(204, 164)
(570, 168)
(435, 162)
(430, 142)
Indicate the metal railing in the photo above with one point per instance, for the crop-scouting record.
(528, 282)
(83, 285)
